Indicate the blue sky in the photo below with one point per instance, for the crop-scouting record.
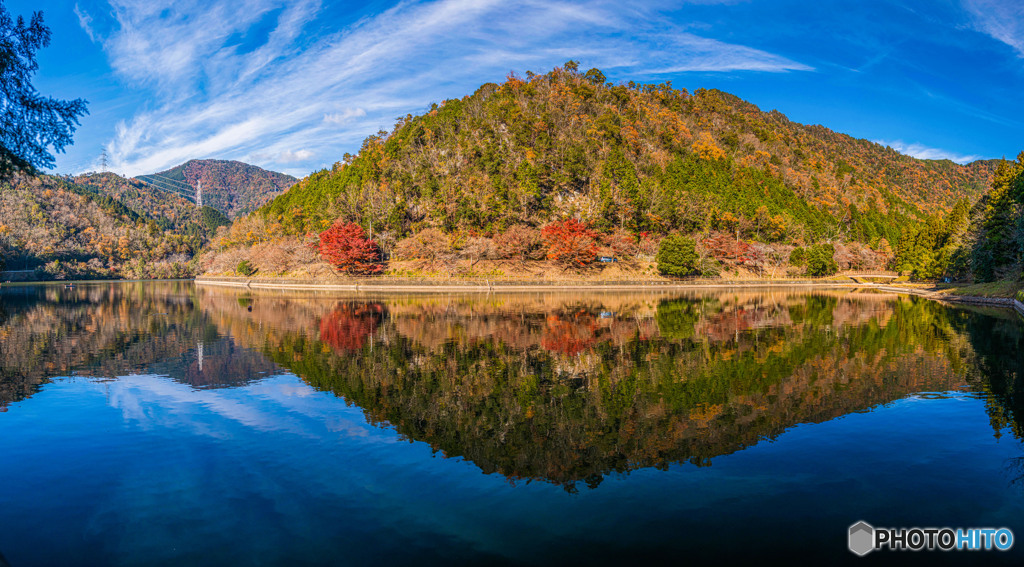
(293, 85)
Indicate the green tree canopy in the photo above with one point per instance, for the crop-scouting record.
(821, 260)
(677, 256)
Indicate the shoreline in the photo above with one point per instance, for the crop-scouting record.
(503, 286)
(428, 286)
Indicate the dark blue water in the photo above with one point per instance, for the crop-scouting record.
(497, 430)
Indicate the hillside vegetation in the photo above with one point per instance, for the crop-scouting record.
(100, 226)
(166, 208)
(481, 178)
(232, 187)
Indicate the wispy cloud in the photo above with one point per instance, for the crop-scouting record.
(1003, 20)
(921, 151)
(701, 54)
(252, 78)
(85, 22)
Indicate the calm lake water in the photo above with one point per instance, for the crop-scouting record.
(163, 423)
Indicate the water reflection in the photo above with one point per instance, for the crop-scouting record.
(115, 329)
(565, 389)
(568, 389)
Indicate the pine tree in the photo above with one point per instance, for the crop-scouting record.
(30, 124)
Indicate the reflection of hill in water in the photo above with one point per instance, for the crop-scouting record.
(999, 348)
(114, 329)
(573, 389)
(560, 388)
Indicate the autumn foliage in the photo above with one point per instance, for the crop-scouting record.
(569, 333)
(346, 247)
(348, 326)
(570, 243)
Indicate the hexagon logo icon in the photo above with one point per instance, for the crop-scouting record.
(862, 537)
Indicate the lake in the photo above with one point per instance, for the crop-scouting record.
(168, 424)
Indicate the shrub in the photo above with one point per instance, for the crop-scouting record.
(648, 245)
(798, 257)
(621, 243)
(346, 247)
(821, 260)
(245, 268)
(728, 250)
(677, 256)
(427, 244)
(281, 255)
(478, 248)
(570, 243)
(519, 242)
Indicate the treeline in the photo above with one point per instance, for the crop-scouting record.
(66, 230)
(983, 242)
(641, 160)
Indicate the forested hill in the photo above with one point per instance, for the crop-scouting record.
(142, 198)
(99, 226)
(641, 158)
(232, 187)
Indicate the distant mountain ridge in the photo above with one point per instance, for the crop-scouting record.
(232, 187)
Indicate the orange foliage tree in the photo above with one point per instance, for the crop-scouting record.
(570, 243)
(346, 247)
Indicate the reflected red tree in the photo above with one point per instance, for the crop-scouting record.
(347, 327)
(569, 333)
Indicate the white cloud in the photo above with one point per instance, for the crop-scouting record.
(298, 155)
(921, 151)
(345, 116)
(214, 99)
(1002, 20)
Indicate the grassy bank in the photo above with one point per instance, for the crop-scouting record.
(1008, 289)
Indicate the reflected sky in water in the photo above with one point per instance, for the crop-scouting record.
(169, 424)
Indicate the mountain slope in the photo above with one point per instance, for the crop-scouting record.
(65, 229)
(232, 187)
(144, 199)
(644, 158)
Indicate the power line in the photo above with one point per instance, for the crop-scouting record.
(171, 180)
(160, 183)
(171, 189)
(197, 198)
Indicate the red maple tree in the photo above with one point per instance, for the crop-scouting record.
(346, 247)
(570, 243)
(729, 250)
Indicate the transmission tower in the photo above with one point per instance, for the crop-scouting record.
(103, 160)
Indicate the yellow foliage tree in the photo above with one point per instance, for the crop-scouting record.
(706, 148)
